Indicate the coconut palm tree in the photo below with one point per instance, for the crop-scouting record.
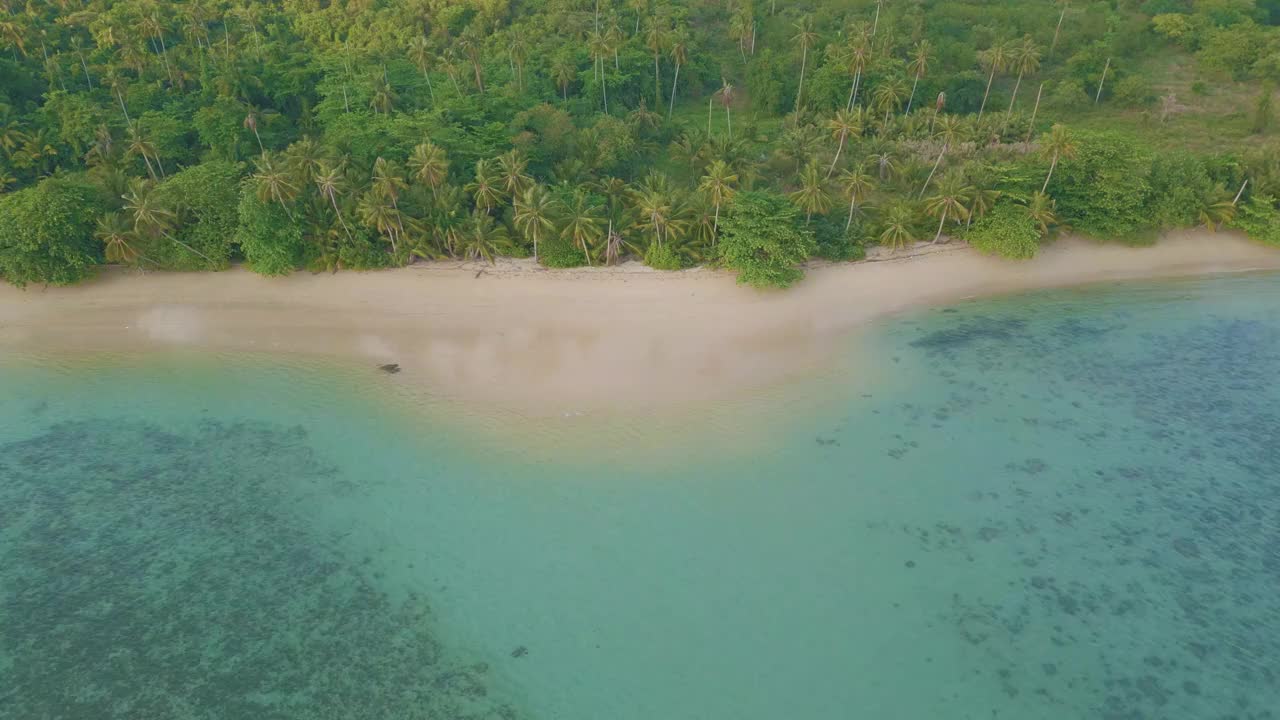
(857, 57)
(950, 200)
(740, 27)
(139, 145)
(481, 236)
(655, 38)
(471, 42)
(383, 98)
(429, 165)
(117, 236)
(580, 223)
(804, 37)
(1043, 212)
(598, 48)
(518, 50)
(921, 54)
(150, 216)
(331, 183)
(656, 207)
(948, 132)
(726, 99)
(679, 55)
(486, 188)
(717, 185)
(812, 195)
(1216, 213)
(857, 186)
(1025, 58)
(888, 96)
(303, 160)
(843, 124)
(995, 58)
(421, 55)
(1058, 144)
(273, 182)
(899, 230)
(511, 171)
(535, 214)
(563, 71)
(378, 213)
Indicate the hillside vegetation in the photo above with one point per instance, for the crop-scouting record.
(372, 133)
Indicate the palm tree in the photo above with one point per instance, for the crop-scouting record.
(331, 183)
(679, 54)
(921, 54)
(857, 57)
(949, 132)
(511, 170)
(655, 38)
(563, 71)
(656, 207)
(726, 99)
(1043, 212)
(1215, 213)
(430, 165)
(639, 7)
(535, 212)
(471, 42)
(843, 124)
(898, 227)
(981, 201)
(888, 95)
(150, 217)
(387, 183)
(139, 145)
(251, 122)
(718, 184)
(376, 212)
(804, 37)
(995, 58)
(740, 28)
(420, 54)
(950, 200)
(117, 235)
(598, 48)
(857, 185)
(481, 236)
(304, 159)
(812, 195)
(518, 50)
(1025, 58)
(1058, 144)
(273, 183)
(383, 98)
(486, 188)
(581, 223)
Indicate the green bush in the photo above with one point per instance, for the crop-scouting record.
(270, 240)
(1259, 218)
(556, 252)
(46, 232)
(1007, 231)
(1103, 191)
(837, 244)
(662, 257)
(762, 238)
(204, 199)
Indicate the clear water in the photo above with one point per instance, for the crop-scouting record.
(1057, 505)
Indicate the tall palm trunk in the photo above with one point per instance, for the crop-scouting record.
(671, 105)
(937, 236)
(987, 94)
(657, 83)
(333, 199)
(729, 121)
(804, 58)
(912, 98)
(853, 88)
(1052, 166)
(427, 76)
(1034, 111)
(852, 204)
(839, 149)
(1009, 113)
(936, 163)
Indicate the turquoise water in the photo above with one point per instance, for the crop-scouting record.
(1056, 505)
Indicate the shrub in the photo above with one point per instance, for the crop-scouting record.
(270, 240)
(761, 237)
(556, 252)
(46, 232)
(662, 257)
(1259, 218)
(1007, 231)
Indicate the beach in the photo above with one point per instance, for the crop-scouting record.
(525, 338)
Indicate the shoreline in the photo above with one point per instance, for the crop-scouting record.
(556, 342)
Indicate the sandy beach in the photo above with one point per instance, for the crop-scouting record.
(543, 341)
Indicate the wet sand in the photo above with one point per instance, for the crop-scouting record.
(549, 342)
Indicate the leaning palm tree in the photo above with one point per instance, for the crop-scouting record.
(273, 182)
(804, 37)
(1215, 213)
(857, 57)
(843, 124)
(921, 54)
(117, 236)
(995, 58)
(812, 195)
(718, 184)
(581, 223)
(420, 54)
(857, 186)
(948, 132)
(1057, 145)
(481, 236)
(331, 183)
(535, 212)
(141, 146)
(679, 55)
(1043, 212)
(471, 42)
(429, 165)
(899, 231)
(150, 216)
(1025, 58)
(949, 201)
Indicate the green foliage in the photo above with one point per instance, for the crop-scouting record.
(1263, 113)
(835, 243)
(204, 198)
(557, 252)
(1103, 191)
(1007, 231)
(46, 232)
(1179, 184)
(271, 241)
(662, 257)
(1259, 218)
(764, 239)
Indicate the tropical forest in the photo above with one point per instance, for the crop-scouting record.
(755, 135)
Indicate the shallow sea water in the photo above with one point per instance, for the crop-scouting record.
(1055, 505)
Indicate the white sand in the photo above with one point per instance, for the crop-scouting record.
(542, 341)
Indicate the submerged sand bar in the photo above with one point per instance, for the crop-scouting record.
(545, 341)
